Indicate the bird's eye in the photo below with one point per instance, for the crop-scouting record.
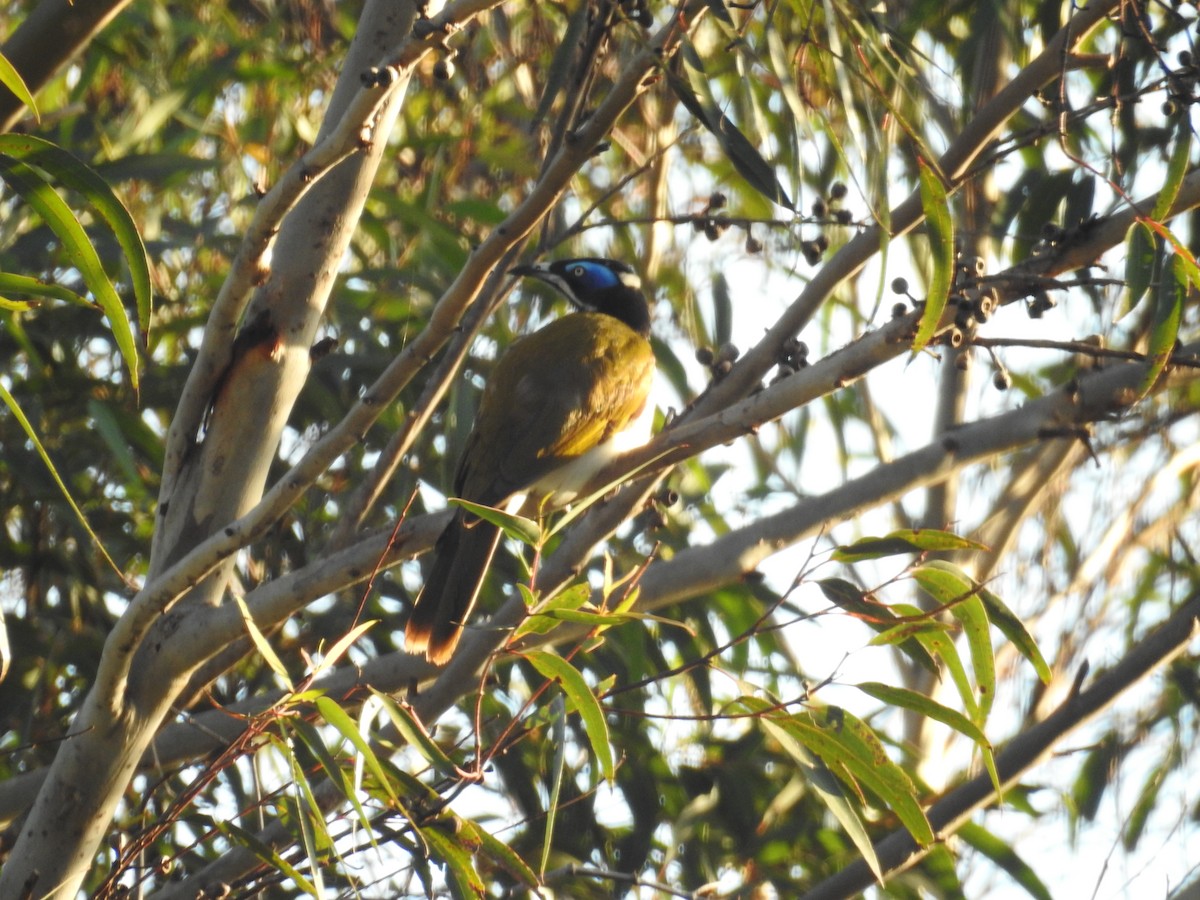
(577, 271)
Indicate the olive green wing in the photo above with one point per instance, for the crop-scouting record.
(555, 395)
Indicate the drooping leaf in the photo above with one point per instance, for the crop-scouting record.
(1146, 802)
(941, 646)
(314, 834)
(446, 843)
(262, 644)
(19, 415)
(414, 733)
(311, 738)
(582, 701)
(42, 198)
(1177, 168)
(740, 151)
(503, 855)
(951, 587)
(69, 171)
(1168, 315)
(917, 540)
(1005, 857)
(829, 789)
(722, 311)
(265, 854)
(11, 79)
(720, 11)
(930, 708)
(940, 229)
(341, 721)
(516, 527)
(558, 724)
(1142, 255)
(1006, 621)
(36, 287)
(848, 596)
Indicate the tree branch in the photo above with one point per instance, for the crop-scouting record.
(898, 851)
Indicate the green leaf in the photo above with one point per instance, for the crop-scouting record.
(59, 218)
(11, 402)
(503, 855)
(591, 617)
(414, 733)
(954, 589)
(69, 171)
(262, 644)
(567, 606)
(751, 164)
(1146, 802)
(11, 79)
(265, 854)
(940, 228)
(311, 738)
(931, 709)
(333, 655)
(1141, 260)
(109, 429)
(938, 644)
(1168, 315)
(558, 75)
(829, 789)
(1095, 775)
(881, 618)
(1002, 854)
(907, 630)
(787, 88)
(314, 833)
(341, 721)
(516, 527)
(740, 151)
(558, 716)
(585, 703)
(920, 540)
(445, 839)
(919, 703)
(1006, 621)
(847, 743)
(1177, 168)
(722, 311)
(24, 284)
(543, 621)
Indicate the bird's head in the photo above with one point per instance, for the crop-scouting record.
(596, 285)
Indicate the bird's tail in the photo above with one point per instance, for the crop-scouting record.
(462, 555)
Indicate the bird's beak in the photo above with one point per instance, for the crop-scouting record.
(537, 270)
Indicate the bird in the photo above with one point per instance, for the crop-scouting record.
(558, 406)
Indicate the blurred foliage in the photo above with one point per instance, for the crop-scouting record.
(832, 108)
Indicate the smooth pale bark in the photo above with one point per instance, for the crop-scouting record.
(222, 476)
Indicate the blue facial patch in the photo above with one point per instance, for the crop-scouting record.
(590, 276)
